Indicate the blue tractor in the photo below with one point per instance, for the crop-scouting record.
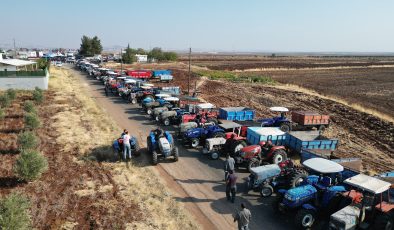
(117, 146)
(280, 121)
(319, 194)
(197, 135)
(161, 144)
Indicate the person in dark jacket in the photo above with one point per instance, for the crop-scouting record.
(231, 186)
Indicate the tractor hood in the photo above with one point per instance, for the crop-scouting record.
(193, 132)
(267, 121)
(250, 151)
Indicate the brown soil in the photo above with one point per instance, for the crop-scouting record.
(9, 125)
(8, 143)
(360, 134)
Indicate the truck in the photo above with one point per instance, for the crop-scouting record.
(158, 73)
(236, 114)
(145, 74)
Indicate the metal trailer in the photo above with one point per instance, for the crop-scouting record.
(258, 134)
(236, 114)
(309, 120)
(166, 77)
(298, 140)
(158, 73)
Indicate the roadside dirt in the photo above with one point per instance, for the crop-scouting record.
(360, 134)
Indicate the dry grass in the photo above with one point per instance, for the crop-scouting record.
(85, 126)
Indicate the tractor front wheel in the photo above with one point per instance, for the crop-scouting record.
(149, 111)
(175, 153)
(237, 146)
(285, 127)
(279, 156)
(166, 122)
(194, 142)
(305, 218)
(266, 190)
(214, 155)
(219, 134)
(154, 158)
(298, 178)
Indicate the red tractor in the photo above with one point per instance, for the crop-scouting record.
(263, 153)
(203, 113)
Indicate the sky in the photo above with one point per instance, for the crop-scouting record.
(204, 25)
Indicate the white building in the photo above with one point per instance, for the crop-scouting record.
(141, 58)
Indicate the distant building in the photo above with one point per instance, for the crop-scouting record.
(141, 58)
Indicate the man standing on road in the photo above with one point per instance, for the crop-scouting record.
(229, 164)
(231, 186)
(243, 217)
(126, 145)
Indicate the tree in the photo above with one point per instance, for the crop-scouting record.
(156, 53)
(90, 46)
(43, 63)
(30, 165)
(170, 56)
(129, 56)
(14, 212)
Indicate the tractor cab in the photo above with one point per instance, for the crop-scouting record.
(233, 130)
(374, 208)
(173, 102)
(324, 173)
(280, 121)
(149, 97)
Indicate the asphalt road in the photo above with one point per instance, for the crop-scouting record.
(200, 178)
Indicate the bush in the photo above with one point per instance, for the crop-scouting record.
(29, 107)
(32, 121)
(11, 93)
(30, 165)
(14, 212)
(27, 140)
(5, 101)
(263, 79)
(38, 95)
(2, 114)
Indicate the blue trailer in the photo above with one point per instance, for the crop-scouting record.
(166, 77)
(236, 114)
(256, 134)
(173, 90)
(158, 73)
(299, 140)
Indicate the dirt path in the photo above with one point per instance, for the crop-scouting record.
(196, 181)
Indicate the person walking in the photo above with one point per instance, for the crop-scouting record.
(229, 164)
(243, 218)
(231, 186)
(126, 145)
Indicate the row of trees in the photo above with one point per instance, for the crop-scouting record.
(155, 54)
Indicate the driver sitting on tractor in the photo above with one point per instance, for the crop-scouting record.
(158, 133)
(267, 146)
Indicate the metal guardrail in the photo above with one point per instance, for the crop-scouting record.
(10, 74)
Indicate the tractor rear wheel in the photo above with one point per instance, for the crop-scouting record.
(137, 148)
(149, 144)
(322, 128)
(149, 111)
(219, 134)
(194, 142)
(266, 190)
(213, 120)
(384, 221)
(166, 122)
(154, 158)
(254, 162)
(237, 146)
(276, 203)
(157, 118)
(175, 153)
(285, 127)
(279, 156)
(297, 178)
(305, 218)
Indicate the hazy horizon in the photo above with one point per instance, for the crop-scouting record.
(353, 26)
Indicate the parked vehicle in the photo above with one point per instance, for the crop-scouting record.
(236, 114)
(204, 112)
(145, 74)
(166, 77)
(169, 117)
(117, 146)
(157, 111)
(298, 140)
(373, 210)
(267, 178)
(158, 73)
(214, 147)
(183, 127)
(315, 197)
(161, 144)
(198, 135)
(279, 121)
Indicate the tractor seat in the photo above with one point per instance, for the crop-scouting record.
(324, 183)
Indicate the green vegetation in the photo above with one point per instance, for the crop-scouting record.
(5, 101)
(230, 76)
(11, 93)
(29, 107)
(266, 80)
(90, 46)
(14, 212)
(38, 95)
(30, 165)
(43, 63)
(129, 56)
(159, 55)
(32, 121)
(27, 140)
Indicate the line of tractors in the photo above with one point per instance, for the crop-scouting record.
(321, 188)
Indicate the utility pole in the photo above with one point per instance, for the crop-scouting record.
(188, 80)
(121, 61)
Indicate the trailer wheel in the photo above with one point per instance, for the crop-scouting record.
(285, 127)
(266, 190)
(154, 158)
(279, 156)
(384, 221)
(305, 218)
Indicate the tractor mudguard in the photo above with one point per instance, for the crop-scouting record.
(273, 149)
(169, 137)
(309, 207)
(133, 141)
